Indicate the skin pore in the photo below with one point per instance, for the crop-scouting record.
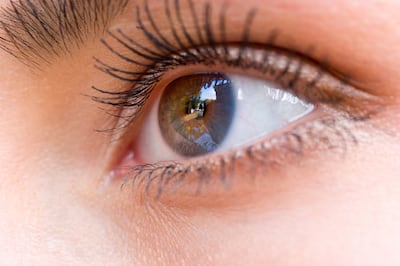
(60, 204)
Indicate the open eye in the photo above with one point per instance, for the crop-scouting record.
(212, 112)
(208, 100)
(197, 121)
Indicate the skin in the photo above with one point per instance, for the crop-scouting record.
(58, 206)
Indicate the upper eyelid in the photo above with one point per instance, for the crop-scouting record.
(198, 25)
(160, 48)
(152, 41)
(163, 48)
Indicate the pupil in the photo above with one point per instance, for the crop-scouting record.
(196, 112)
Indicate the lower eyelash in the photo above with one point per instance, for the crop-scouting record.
(327, 133)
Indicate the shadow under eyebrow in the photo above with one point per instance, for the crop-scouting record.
(36, 31)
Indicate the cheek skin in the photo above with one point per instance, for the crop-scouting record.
(51, 159)
(328, 209)
(337, 210)
(49, 115)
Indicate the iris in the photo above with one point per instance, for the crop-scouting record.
(196, 113)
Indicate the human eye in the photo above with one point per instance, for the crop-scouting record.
(201, 107)
(205, 113)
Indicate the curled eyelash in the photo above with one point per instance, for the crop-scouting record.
(163, 54)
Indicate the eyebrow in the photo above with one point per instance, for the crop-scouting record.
(37, 31)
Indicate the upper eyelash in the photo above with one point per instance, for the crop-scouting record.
(164, 55)
(202, 47)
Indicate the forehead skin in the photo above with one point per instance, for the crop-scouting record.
(52, 212)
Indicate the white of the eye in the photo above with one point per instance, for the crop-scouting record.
(261, 108)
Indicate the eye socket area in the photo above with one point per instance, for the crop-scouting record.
(203, 113)
(283, 77)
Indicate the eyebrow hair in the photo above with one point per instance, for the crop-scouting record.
(36, 31)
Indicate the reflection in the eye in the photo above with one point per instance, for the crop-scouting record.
(196, 113)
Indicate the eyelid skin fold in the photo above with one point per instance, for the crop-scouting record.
(341, 107)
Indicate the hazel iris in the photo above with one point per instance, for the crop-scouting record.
(196, 113)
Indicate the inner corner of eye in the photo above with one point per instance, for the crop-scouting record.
(203, 113)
